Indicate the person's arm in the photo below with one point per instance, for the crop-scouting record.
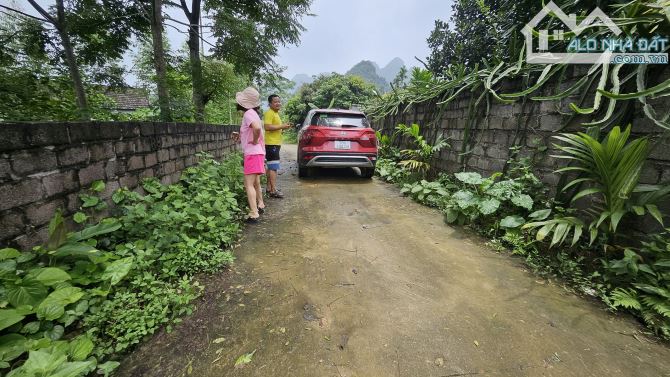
(267, 123)
(274, 127)
(236, 137)
(256, 129)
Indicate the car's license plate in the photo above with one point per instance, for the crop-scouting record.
(342, 144)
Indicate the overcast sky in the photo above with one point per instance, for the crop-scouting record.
(342, 33)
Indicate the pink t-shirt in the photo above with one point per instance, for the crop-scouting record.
(247, 134)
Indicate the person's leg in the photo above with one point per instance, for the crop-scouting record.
(273, 167)
(249, 186)
(259, 192)
(272, 180)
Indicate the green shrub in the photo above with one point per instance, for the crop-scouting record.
(642, 281)
(88, 295)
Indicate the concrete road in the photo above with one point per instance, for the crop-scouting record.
(345, 277)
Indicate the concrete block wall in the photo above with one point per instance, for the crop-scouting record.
(531, 126)
(45, 166)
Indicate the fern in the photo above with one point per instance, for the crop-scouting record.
(660, 305)
(626, 298)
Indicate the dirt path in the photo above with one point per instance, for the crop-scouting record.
(345, 277)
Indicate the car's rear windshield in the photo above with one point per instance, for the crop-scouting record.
(340, 120)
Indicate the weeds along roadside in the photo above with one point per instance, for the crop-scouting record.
(73, 306)
(580, 239)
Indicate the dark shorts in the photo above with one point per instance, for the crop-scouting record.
(272, 156)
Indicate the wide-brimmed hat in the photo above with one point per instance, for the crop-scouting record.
(248, 98)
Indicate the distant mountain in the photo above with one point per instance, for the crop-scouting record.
(301, 79)
(390, 71)
(368, 71)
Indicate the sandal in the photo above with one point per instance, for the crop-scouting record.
(251, 220)
(261, 210)
(276, 194)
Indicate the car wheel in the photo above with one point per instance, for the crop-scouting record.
(367, 172)
(303, 172)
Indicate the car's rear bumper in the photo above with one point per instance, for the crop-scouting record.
(341, 161)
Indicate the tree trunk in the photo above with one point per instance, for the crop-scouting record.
(159, 61)
(71, 60)
(194, 55)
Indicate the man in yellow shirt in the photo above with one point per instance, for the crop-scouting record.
(273, 138)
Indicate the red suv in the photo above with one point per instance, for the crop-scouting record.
(334, 138)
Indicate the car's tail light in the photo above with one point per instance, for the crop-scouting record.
(313, 137)
(368, 139)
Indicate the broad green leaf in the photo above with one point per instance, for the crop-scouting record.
(464, 199)
(80, 348)
(28, 292)
(451, 215)
(30, 327)
(512, 221)
(89, 201)
(97, 186)
(488, 206)
(105, 226)
(471, 178)
(75, 250)
(55, 333)
(49, 275)
(8, 253)
(117, 270)
(54, 305)
(12, 346)
(8, 268)
(540, 215)
(72, 369)
(523, 201)
(9, 317)
(42, 362)
(79, 217)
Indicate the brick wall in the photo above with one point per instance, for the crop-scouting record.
(44, 166)
(531, 126)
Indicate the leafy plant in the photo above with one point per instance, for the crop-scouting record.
(480, 197)
(387, 148)
(96, 292)
(419, 159)
(391, 171)
(642, 280)
(429, 193)
(610, 169)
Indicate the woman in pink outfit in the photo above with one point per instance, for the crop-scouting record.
(253, 145)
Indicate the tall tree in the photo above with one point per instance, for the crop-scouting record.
(247, 34)
(60, 23)
(479, 30)
(89, 33)
(193, 16)
(159, 60)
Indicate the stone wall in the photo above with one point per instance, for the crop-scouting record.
(45, 166)
(530, 125)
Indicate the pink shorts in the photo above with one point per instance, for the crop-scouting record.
(254, 164)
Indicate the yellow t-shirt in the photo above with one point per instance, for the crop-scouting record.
(271, 117)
